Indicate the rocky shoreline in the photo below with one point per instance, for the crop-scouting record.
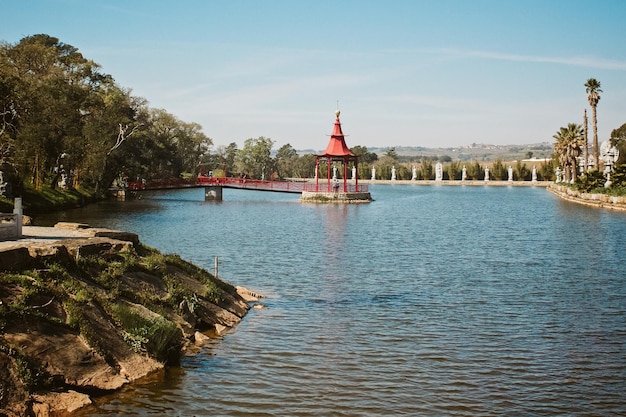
(84, 311)
(592, 200)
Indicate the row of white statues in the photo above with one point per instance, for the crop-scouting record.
(439, 173)
(608, 154)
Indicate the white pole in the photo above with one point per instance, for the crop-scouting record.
(17, 209)
(216, 267)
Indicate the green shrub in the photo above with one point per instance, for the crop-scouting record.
(590, 181)
(618, 177)
(158, 336)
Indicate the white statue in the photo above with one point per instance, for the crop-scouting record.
(558, 174)
(393, 173)
(609, 155)
(414, 174)
(486, 173)
(354, 173)
(464, 174)
(373, 173)
(334, 172)
(591, 162)
(510, 173)
(534, 174)
(438, 172)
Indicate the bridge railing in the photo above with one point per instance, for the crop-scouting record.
(282, 186)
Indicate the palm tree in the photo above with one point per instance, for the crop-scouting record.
(586, 148)
(569, 145)
(593, 89)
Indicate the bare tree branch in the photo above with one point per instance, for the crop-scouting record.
(4, 122)
(122, 136)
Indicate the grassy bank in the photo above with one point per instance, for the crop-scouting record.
(85, 316)
(47, 200)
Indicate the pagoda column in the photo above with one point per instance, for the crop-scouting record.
(328, 176)
(317, 168)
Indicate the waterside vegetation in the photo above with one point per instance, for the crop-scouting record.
(90, 316)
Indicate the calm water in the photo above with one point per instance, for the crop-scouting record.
(430, 301)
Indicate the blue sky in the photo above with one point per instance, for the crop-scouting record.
(405, 73)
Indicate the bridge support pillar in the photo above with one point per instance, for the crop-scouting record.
(213, 193)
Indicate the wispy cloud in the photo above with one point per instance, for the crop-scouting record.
(577, 61)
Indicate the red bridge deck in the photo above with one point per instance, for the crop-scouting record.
(241, 183)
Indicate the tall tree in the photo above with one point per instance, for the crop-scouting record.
(255, 160)
(586, 143)
(286, 161)
(593, 89)
(618, 139)
(568, 147)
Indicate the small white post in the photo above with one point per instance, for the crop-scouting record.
(17, 209)
(216, 261)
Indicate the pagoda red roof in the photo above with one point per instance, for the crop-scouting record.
(337, 144)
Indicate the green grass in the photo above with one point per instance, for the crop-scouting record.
(47, 199)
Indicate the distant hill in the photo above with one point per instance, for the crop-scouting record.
(473, 152)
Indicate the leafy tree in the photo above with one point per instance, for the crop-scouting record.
(455, 170)
(286, 161)
(57, 108)
(546, 170)
(364, 155)
(366, 160)
(113, 117)
(255, 160)
(475, 171)
(52, 81)
(426, 169)
(391, 153)
(403, 173)
(384, 167)
(522, 172)
(618, 139)
(230, 155)
(176, 146)
(498, 170)
(593, 90)
(305, 166)
(618, 177)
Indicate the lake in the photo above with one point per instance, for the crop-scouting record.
(430, 301)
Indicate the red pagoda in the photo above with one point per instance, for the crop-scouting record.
(337, 151)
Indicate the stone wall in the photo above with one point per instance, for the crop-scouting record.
(331, 197)
(595, 200)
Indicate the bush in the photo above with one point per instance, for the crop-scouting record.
(591, 180)
(158, 336)
(619, 176)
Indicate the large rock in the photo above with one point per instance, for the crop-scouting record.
(15, 258)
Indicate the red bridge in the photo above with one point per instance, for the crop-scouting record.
(243, 183)
(330, 190)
